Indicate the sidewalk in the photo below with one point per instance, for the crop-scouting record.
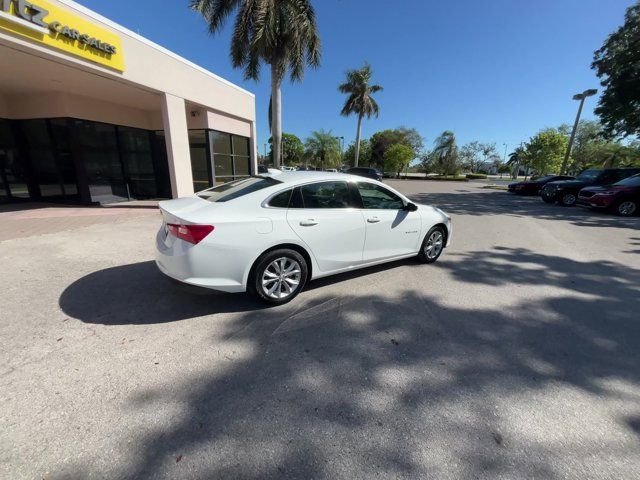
(31, 219)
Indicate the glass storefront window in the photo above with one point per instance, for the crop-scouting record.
(221, 143)
(224, 166)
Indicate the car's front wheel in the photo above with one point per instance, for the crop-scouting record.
(547, 198)
(433, 244)
(627, 208)
(568, 199)
(279, 276)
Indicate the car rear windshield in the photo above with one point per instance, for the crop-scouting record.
(630, 181)
(589, 175)
(237, 188)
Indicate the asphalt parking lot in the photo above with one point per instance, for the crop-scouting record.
(515, 356)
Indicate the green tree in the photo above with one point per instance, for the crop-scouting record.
(280, 33)
(445, 154)
(504, 168)
(322, 149)
(292, 149)
(397, 158)
(544, 152)
(360, 100)
(365, 153)
(381, 141)
(617, 64)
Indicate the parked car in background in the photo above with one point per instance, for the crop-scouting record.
(533, 186)
(622, 197)
(566, 191)
(367, 172)
(270, 235)
(285, 168)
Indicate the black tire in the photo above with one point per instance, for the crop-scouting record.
(281, 283)
(424, 256)
(627, 208)
(546, 199)
(568, 199)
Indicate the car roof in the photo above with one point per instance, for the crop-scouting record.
(297, 177)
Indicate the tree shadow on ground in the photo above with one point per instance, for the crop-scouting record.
(407, 387)
(504, 203)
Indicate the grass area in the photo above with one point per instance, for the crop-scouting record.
(496, 187)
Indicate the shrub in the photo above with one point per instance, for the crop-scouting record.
(448, 178)
(476, 176)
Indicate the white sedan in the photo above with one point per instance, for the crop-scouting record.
(271, 234)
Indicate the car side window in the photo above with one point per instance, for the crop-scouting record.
(325, 195)
(377, 197)
(281, 200)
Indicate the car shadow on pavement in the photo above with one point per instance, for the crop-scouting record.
(402, 386)
(139, 294)
(504, 203)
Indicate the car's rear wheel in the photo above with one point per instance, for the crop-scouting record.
(279, 276)
(627, 208)
(433, 244)
(568, 199)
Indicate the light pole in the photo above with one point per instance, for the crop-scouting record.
(581, 97)
(341, 140)
(504, 157)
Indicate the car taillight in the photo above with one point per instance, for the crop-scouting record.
(190, 233)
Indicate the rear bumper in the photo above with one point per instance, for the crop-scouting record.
(199, 265)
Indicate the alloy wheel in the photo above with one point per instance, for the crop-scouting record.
(281, 278)
(569, 199)
(627, 208)
(434, 245)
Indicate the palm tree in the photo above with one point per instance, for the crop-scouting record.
(280, 33)
(516, 159)
(445, 153)
(359, 100)
(323, 148)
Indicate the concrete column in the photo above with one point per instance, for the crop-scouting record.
(176, 134)
(253, 147)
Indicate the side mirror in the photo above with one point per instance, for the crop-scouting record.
(410, 207)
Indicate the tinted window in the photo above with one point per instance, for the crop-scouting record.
(281, 200)
(630, 182)
(377, 197)
(237, 188)
(326, 195)
(589, 175)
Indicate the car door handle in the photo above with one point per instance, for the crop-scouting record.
(310, 222)
(373, 220)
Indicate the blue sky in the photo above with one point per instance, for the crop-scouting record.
(490, 70)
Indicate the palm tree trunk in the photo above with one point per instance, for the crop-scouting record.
(355, 164)
(276, 116)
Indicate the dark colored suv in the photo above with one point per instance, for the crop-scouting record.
(622, 197)
(566, 192)
(533, 186)
(365, 172)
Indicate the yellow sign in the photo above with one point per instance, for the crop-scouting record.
(55, 27)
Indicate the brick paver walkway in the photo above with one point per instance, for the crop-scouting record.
(19, 221)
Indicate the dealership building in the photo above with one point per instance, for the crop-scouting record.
(91, 112)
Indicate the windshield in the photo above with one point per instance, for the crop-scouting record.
(630, 182)
(589, 175)
(546, 178)
(237, 188)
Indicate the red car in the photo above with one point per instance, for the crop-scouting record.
(622, 197)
